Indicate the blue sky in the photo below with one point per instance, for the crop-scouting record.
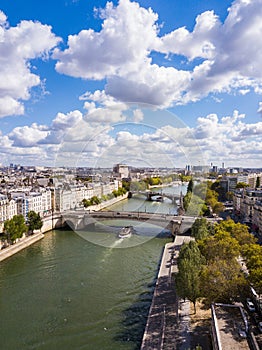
(147, 83)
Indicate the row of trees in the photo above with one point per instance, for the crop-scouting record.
(96, 200)
(144, 184)
(209, 267)
(201, 199)
(15, 228)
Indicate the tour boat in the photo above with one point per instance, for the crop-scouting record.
(125, 232)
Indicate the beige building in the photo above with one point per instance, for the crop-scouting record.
(121, 170)
(257, 217)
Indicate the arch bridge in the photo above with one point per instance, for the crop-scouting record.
(161, 195)
(79, 220)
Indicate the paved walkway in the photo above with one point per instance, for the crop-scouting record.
(168, 322)
(22, 244)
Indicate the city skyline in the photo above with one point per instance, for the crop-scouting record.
(95, 83)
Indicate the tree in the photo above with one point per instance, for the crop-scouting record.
(194, 205)
(190, 186)
(86, 202)
(253, 255)
(34, 221)
(221, 245)
(218, 207)
(237, 231)
(187, 279)
(126, 185)
(95, 200)
(200, 229)
(221, 280)
(241, 185)
(14, 228)
(258, 182)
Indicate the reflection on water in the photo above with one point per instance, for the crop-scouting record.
(66, 293)
(105, 233)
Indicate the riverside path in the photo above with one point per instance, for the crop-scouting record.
(168, 321)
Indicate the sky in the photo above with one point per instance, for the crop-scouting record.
(144, 83)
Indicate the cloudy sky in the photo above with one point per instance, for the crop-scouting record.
(149, 83)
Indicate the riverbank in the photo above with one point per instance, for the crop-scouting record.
(174, 183)
(50, 222)
(171, 323)
(168, 319)
(20, 245)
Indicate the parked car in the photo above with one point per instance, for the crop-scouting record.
(242, 333)
(250, 305)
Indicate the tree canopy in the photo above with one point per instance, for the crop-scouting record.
(189, 268)
(200, 229)
(34, 221)
(15, 228)
(215, 268)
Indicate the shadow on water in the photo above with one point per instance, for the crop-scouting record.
(135, 316)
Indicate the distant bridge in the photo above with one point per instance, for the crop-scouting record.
(150, 194)
(79, 220)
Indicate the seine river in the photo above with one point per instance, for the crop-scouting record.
(67, 293)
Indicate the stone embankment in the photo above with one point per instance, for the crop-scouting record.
(20, 245)
(168, 320)
(50, 222)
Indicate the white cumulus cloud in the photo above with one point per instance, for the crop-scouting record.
(229, 52)
(18, 45)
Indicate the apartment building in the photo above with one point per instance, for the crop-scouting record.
(39, 202)
(248, 204)
(8, 208)
(257, 217)
(249, 199)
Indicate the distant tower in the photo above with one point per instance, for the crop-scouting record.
(223, 165)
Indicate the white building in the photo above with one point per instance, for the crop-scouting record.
(257, 217)
(121, 170)
(4, 202)
(39, 202)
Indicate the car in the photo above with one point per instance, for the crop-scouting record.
(242, 333)
(250, 305)
(259, 326)
(256, 318)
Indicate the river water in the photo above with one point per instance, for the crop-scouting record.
(67, 293)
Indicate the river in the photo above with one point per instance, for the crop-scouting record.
(67, 293)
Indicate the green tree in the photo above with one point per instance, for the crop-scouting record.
(34, 221)
(253, 256)
(185, 178)
(86, 202)
(14, 228)
(255, 278)
(138, 186)
(200, 229)
(221, 280)
(194, 205)
(237, 231)
(241, 185)
(221, 245)
(95, 200)
(187, 279)
(126, 185)
(190, 186)
(216, 186)
(258, 182)
(218, 207)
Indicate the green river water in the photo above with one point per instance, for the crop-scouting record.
(69, 293)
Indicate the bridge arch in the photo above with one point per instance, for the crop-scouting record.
(70, 224)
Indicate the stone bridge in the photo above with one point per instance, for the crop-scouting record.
(161, 195)
(78, 220)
